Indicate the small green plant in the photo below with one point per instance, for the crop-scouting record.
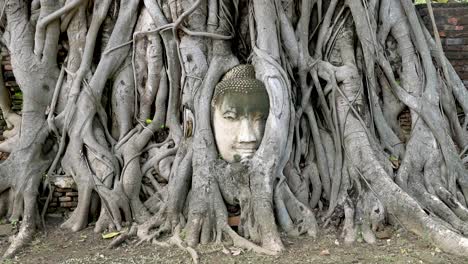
(14, 224)
(18, 95)
(7, 261)
(183, 234)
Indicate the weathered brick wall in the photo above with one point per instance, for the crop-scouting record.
(452, 24)
(63, 199)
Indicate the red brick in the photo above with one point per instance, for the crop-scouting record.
(452, 20)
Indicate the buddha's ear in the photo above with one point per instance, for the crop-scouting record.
(189, 123)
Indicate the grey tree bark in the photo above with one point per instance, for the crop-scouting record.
(127, 113)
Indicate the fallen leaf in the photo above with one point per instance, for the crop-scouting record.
(110, 235)
(236, 251)
(225, 251)
(325, 252)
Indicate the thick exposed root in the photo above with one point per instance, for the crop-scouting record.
(78, 218)
(9, 144)
(295, 217)
(23, 238)
(330, 147)
(241, 242)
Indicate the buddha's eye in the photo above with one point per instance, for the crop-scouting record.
(230, 115)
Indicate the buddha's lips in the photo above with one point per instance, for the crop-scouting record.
(245, 147)
(245, 151)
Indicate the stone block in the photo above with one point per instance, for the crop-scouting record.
(64, 182)
(454, 41)
(68, 204)
(71, 194)
(63, 190)
(65, 199)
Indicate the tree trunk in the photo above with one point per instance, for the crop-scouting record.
(128, 114)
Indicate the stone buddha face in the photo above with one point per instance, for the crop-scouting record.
(240, 108)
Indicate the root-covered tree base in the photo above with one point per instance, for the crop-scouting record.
(128, 114)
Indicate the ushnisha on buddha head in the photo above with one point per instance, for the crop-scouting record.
(240, 108)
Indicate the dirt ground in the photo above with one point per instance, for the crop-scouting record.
(60, 246)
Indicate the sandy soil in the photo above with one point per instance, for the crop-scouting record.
(59, 246)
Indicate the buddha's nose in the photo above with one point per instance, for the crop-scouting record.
(247, 132)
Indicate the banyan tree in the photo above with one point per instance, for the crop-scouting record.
(173, 116)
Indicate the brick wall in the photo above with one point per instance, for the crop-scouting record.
(62, 199)
(452, 23)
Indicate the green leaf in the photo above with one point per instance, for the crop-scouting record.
(110, 235)
(148, 121)
(17, 95)
(393, 158)
(14, 223)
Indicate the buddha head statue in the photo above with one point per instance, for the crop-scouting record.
(240, 108)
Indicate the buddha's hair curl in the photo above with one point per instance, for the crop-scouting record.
(238, 80)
